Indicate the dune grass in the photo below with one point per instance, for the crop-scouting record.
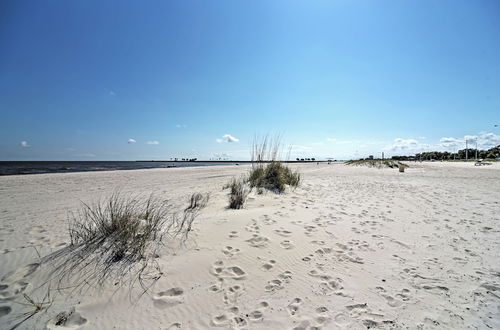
(267, 172)
(238, 192)
(274, 176)
(377, 163)
(121, 236)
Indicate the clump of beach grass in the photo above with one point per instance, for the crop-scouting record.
(274, 176)
(377, 163)
(121, 235)
(268, 172)
(238, 192)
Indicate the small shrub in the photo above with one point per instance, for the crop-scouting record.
(238, 193)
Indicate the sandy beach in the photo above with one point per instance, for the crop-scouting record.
(350, 248)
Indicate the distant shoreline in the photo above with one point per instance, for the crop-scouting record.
(233, 161)
(43, 167)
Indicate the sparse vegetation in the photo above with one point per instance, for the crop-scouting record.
(120, 236)
(377, 163)
(267, 173)
(274, 175)
(34, 307)
(238, 193)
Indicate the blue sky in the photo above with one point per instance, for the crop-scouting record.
(82, 80)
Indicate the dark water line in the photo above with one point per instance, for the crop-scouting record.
(39, 167)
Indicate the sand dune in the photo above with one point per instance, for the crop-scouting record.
(351, 248)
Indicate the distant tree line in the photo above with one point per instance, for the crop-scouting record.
(306, 159)
(491, 153)
(184, 159)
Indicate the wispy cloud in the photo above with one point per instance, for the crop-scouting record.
(227, 138)
(25, 144)
(181, 126)
(221, 155)
(131, 141)
(451, 142)
(153, 142)
(112, 93)
(406, 146)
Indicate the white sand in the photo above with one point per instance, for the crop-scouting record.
(351, 248)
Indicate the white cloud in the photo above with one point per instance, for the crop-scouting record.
(25, 144)
(221, 155)
(227, 138)
(153, 142)
(485, 140)
(488, 140)
(131, 141)
(181, 126)
(406, 147)
(450, 142)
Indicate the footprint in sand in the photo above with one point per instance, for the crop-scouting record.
(394, 301)
(277, 284)
(230, 251)
(11, 291)
(258, 241)
(274, 285)
(67, 320)
(21, 273)
(253, 227)
(287, 245)
(232, 294)
(230, 319)
(168, 298)
(331, 287)
(322, 316)
(256, 316)
(222, 271)
(269, 265)
(293, 306)
(310, 230)
(283, 232)
(5, 310)
(342, 319)
(233, 234)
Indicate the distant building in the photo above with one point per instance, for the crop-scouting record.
(370, 157)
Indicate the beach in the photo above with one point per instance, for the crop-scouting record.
(350, 248)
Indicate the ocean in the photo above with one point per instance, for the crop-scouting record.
(37, 167)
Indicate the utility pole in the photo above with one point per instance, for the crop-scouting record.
(466, 150)
(476, 149)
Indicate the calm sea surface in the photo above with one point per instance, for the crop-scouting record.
(15, 168)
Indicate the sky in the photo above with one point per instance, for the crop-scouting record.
(128, 80)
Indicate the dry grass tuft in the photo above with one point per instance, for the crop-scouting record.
(238, 193)
(121, 236)
(273, 176)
